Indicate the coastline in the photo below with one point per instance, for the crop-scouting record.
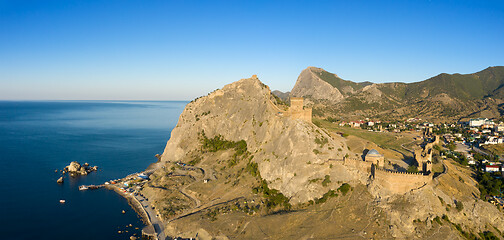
(133, 202)
(154, 226)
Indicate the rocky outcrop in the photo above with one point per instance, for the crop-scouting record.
(73, 167)
(77, 168)
(309, 84)
(289, 152)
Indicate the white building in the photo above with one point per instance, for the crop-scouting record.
(492, 168)
(477, 122)
(484, 131)
(494, 140)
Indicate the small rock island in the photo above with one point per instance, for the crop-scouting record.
(76, 169)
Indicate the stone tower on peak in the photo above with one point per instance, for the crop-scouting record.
(298, 111)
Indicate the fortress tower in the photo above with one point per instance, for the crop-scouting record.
(298, 111)
(423, 157)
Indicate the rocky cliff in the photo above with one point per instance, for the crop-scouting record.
(288, 151)
(309, 84)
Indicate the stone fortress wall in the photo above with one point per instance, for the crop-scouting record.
(400, 182)
(393, 181)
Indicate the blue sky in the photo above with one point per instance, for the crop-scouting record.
(179, 50)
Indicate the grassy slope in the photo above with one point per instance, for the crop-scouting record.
(462, 86)
(466, 89)
(340, 83)
(384, 140)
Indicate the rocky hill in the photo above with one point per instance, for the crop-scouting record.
(246, 110)
(446, 96)
(240, 165)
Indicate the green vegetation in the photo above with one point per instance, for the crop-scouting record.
(338, 82)
(462, 86)
(488, 184)
(322, 141)
(273, 197)
(174, 207)
(278, 100)
(330, 119)
(201, 115)
(195, 160)
(344, 188)
(219, 143)
(326, 196)
(212, 214)
(412, 169)
(458, 157)
(459, 206)
(487, 235)
(327, 180)
(451, 146)
(314, 180)
(316, 151)
(384, 140)
(467, 235)
(252, 169)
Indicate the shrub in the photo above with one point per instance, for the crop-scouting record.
(327, 180)
(326, 196)
(252, 169)
(322, 141)
(459, 206)
(273, 197)
(488, 235)
(219, 143)
(195, 160)
(344, 188)
(412, 169)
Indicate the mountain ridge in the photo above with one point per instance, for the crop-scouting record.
(449, 96)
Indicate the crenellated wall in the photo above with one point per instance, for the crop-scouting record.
(401, 182)
(395, 182)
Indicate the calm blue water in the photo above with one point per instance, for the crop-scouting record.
(38, 137)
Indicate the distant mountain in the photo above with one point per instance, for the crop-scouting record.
(443, 97)
(284, 96)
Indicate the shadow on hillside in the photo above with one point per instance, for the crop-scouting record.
(398, 168)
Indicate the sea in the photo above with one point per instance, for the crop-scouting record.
(40, 138)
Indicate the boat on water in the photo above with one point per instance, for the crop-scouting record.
(62, 201)
(83, 187)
